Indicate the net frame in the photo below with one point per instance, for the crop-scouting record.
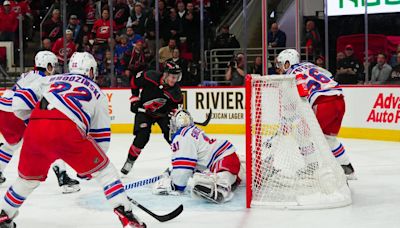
(340, 198)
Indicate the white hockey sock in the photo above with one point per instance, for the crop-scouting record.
(6, 153)
(61, 165)
(112, 186)
(17, 194)
(338, 150)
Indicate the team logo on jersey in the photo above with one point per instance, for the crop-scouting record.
(155, 104)
(54, 32)
(61, 51)
(104, 29)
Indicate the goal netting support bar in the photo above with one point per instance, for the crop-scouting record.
(288, 162)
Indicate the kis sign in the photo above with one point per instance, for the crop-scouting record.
(352, 7)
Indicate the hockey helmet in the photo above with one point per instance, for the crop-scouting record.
(171, 67)
(180, 119)
(45, 58)
(290, 56)
(82, 63)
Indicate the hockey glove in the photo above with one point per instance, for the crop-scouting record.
(164, 186)
(134, 103)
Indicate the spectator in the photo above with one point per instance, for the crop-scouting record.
(312, 39)
(393, 60)
(137, 20)
(183, 64)
(76, 7)
(349, 68)
(276, 37)
(52, 27)
(46, 45)
(256, 68)
(339, 56)
(235, 72)
(101, 28)
(150, 32)
(76, 28)
(173, 25)
(121, 15)
(58, 48)
(167, 51)
(368, 66)
(320, 61)
(381, 71)
(9, 23)
(225, 40)
(135, 61)
(86, 45)
(395, 74)
(90, 12)
(120, 50)
(104, 79)
(191, 27)
(132, 36)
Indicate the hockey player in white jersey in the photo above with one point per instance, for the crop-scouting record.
(325, 97)
(70, 122)
(212, 163)
(12, 128)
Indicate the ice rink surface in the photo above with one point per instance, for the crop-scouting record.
(376, 195)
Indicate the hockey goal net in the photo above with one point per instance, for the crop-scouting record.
(288, 161)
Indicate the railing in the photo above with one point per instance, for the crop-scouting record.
(217, 63)
(42, 22)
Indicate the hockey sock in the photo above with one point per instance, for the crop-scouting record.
(112, 186)
(134, 152)
(6, 153)
(16, 195)
(337, 150)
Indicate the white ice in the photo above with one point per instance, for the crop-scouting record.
(376, 195)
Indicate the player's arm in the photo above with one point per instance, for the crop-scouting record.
(100, 125)
(184, 161)
(302, 85)
(137, 82)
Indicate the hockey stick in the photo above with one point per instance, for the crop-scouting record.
(205, 123)
(143, 182)
(161, 218)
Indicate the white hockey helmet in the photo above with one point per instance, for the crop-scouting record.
(82, 63)
(45, 58)
(181, 118)
(290, 56)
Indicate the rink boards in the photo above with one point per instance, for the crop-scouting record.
(372, 112)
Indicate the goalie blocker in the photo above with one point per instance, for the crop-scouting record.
(212, 164)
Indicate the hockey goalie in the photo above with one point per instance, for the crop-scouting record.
(211, 164)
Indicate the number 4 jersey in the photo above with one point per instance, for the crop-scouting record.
(317, 81)
(193, 151)
(77, 97)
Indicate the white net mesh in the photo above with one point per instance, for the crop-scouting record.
(292, 165)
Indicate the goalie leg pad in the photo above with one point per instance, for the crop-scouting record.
(215, 188)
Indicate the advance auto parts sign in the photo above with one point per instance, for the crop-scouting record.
(352, 7)
(227, 104)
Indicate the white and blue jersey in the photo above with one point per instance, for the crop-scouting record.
(22, 91)
(194, 151)
(77, 97)
(318, 81)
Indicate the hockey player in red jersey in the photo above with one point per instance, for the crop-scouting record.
(12, 128)
(159, 97)
(212, 163)
(325, 97)
(70, 122)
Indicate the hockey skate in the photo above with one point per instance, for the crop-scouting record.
(5, 221)
(128, 219)
(2, 178)
(67, 184)
(349, 172)
(127, 166)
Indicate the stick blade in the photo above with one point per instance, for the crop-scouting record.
(170, 216)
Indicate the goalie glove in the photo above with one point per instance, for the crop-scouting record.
(164, 186)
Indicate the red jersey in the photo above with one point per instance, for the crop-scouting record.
(20, 7)
(10, 21)
(58, 49)
(102, 30)
(90, 12)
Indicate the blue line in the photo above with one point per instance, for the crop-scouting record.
(186, 159)
(3, 152)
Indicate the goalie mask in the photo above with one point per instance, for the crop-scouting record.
(180, 119)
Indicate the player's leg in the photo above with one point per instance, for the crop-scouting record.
(164, 125)
(330, 115)
(142, 131)
(89, 161)
(12, 129)
(68, 185)
(217, 187)
(35, 159)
